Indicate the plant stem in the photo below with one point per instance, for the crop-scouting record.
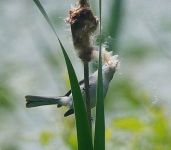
(87, 94)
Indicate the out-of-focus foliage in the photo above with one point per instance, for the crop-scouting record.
(149, 132)
(137, 106)
(6, 96)
(46, 137)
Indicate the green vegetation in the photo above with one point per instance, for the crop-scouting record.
(137, 105)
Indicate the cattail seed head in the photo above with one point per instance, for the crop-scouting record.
(83, 24)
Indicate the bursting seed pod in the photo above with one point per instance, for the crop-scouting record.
(83, 24)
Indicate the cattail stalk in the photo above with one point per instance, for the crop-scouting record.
(83, 24)
(87, 94)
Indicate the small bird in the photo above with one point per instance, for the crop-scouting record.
(108, 70)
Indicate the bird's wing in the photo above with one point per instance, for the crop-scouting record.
(80, 83)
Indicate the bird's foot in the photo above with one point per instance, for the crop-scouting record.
(91, 119)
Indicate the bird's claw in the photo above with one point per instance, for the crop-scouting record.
(91, 119)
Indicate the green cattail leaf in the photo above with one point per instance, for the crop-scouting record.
(83, 130)
(99, 140)
(113, 26)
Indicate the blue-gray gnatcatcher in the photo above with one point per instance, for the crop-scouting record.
(108, 71)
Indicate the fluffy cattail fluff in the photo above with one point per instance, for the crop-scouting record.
(83, 24)
(106, 56)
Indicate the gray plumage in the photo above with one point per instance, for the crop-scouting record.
(108, 71)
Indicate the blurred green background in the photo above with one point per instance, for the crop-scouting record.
(137, 105)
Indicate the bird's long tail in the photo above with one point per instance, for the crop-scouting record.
(34, 101)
